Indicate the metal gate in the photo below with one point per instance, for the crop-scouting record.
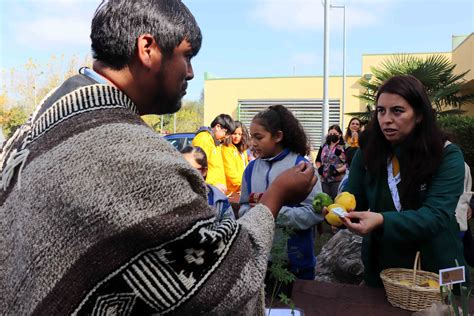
(307, 111)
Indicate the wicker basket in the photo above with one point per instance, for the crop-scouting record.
(411, 296)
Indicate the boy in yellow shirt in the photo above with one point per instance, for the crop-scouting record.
(209, 139)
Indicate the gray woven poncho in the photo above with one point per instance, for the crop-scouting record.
(100, 215)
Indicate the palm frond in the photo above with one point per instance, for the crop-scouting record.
(436, 72)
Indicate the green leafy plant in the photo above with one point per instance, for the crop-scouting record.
(436, 72)
(452, 300)
(460, 307)
(460, 130)
(287, 301)
(279, 273)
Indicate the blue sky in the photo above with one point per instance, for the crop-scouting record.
(251, 38)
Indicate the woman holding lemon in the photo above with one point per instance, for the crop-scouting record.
(407, 180)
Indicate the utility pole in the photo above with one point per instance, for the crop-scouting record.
(343, 107)
(326, 70)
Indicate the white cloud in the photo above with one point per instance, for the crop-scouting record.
(308, 15)
(54, 31)
(41, 24)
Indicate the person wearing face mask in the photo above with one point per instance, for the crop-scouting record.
(331, 161)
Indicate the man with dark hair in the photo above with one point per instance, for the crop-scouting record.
(210, 139)
(99, 215)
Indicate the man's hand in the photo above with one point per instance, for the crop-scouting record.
(290, 187)
(368, 221)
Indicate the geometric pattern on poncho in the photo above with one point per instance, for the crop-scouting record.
(116, 304)
(159, 280)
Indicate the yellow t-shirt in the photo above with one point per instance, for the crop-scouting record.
(215, 172)
(234, 165)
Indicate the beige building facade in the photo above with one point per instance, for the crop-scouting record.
(243, 97)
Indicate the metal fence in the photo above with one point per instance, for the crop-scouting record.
(307, 111)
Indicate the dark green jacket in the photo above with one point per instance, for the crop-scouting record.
(432, 228)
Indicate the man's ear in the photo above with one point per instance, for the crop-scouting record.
(148, 52)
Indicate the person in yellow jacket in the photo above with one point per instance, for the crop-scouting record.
(209, 139)
(234, 157)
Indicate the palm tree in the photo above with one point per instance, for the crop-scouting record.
(436, 74)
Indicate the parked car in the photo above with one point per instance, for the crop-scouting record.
(180, 140)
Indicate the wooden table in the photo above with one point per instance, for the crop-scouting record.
(333, 299)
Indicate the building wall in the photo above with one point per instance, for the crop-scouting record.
(223, 95)
(463, 57)
(375, 60)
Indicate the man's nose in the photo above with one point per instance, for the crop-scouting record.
(190, 72)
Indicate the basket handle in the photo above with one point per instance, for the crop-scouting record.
(416, 264)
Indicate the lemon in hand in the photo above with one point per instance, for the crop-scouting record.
(347, 200)
(331, 217)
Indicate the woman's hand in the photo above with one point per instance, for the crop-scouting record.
(368, 221)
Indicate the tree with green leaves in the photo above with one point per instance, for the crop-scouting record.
(26, 86)
(23, 88)
(188, 119)
(436, 72)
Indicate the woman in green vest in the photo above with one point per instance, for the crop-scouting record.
(407, 180)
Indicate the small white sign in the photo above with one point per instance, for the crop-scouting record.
(283, 312)
(452, 276)
(339, 211)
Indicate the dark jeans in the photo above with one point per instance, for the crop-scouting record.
(330, 188)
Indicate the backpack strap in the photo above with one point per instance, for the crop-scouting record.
(248, 175)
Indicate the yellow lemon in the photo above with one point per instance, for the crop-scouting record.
(430, 283)
(331, 217)
(347, 200)
(404, 282)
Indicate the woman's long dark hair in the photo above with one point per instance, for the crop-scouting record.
(422, 149)
(348, 131)
(244, 141)
(278, 118)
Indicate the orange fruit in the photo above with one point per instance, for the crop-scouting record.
(347, 200)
